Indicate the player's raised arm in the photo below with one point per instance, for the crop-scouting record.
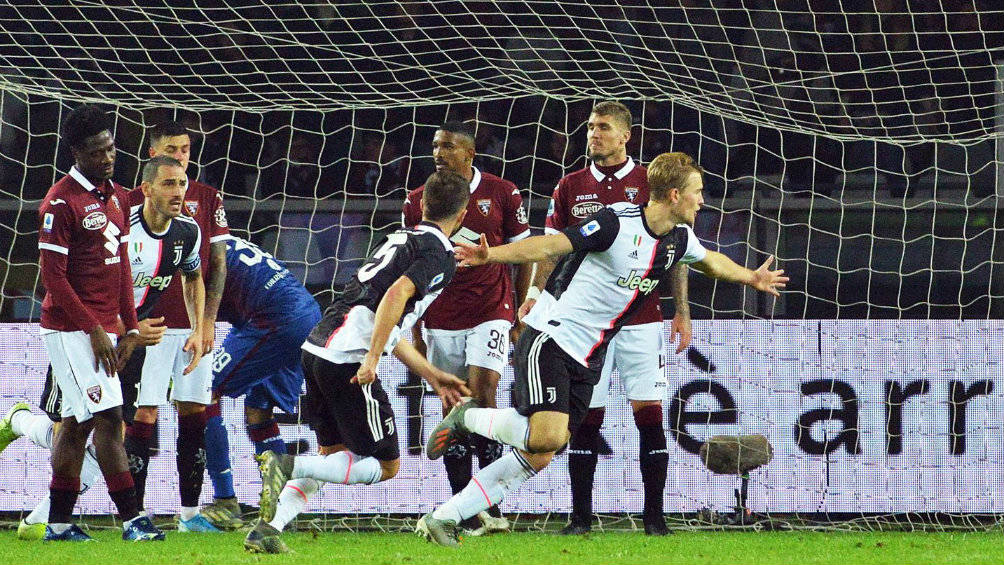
(719, 266)
(527, 250)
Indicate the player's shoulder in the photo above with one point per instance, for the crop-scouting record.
(414, 196)
(186, 223)
(429, 238)
(135, 211)
(63, 191)
(497, 184)
(201, 191)
(576, 178)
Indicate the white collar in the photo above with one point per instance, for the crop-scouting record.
(475, 181)
(439, 233)
(623, 172)
(80, 178)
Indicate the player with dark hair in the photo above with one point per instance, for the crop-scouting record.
(619, 255)
(271, 314)
(203, 205)
(639, 350)
(350, 411)
(84, 260)
(467, 329)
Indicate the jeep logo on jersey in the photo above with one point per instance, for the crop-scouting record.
(192, 206)
(635, 281)
(631, 192)
(159, 282)
(583, 209)
(95, 221)
(485, 205)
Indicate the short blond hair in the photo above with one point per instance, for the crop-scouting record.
(616, 110)
(669, 171)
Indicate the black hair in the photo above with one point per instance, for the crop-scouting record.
(459, 128)
(167, 129)
(152, 167)
(83, 122)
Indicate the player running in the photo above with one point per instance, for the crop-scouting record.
(621, 254)
(351, 413)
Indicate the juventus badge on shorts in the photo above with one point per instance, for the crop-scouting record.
(485, 205)
(94, 393)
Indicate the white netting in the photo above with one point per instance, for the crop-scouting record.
(859, 144)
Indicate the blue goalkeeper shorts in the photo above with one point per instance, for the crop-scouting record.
(262, 360)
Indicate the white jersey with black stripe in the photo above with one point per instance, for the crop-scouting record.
(616, 261)
(155, 258)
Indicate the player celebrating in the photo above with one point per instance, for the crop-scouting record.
(638, 351)
(351, 413)
(272, 314)
(205, 206)
(84, 262)
(621, 254)
(467, 328)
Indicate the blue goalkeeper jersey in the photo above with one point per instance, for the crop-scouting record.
(259, 288)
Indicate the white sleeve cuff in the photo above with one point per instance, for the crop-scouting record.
(56, 248)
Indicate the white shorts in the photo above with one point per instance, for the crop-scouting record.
(162, 370)
(485, 345)
(638, 353)
(85, 391)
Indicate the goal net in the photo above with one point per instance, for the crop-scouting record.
(860, 146)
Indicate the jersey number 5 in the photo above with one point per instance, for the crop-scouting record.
(251, 254)
(382, 257)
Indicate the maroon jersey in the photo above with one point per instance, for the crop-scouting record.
(205, 205)
(585, 192)
(82, 241)
(484, 293)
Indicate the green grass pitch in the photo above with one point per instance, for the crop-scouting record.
(690, 548)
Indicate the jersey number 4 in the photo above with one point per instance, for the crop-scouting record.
(382, 257)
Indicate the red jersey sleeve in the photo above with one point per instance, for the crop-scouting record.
(411, 214)
(515, 224)
(219, 228)
(54, 237)
(557, 210)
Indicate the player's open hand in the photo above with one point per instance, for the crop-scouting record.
(194, 345)
(769, 281)
(125, 348)
(151, 331)
(104, 352)
(472, 255)
(450, 388)
(681, 326)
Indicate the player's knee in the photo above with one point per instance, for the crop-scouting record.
(329, 449)
(146, 414)
(546, 440)
(187, 408)
(389, 469)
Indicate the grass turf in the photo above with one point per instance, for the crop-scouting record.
(841, 548)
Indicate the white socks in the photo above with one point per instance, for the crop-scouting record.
(36, 427)
(293, 500)
(189, 512)
(487, 488)
(344, 468)
(504, 425)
